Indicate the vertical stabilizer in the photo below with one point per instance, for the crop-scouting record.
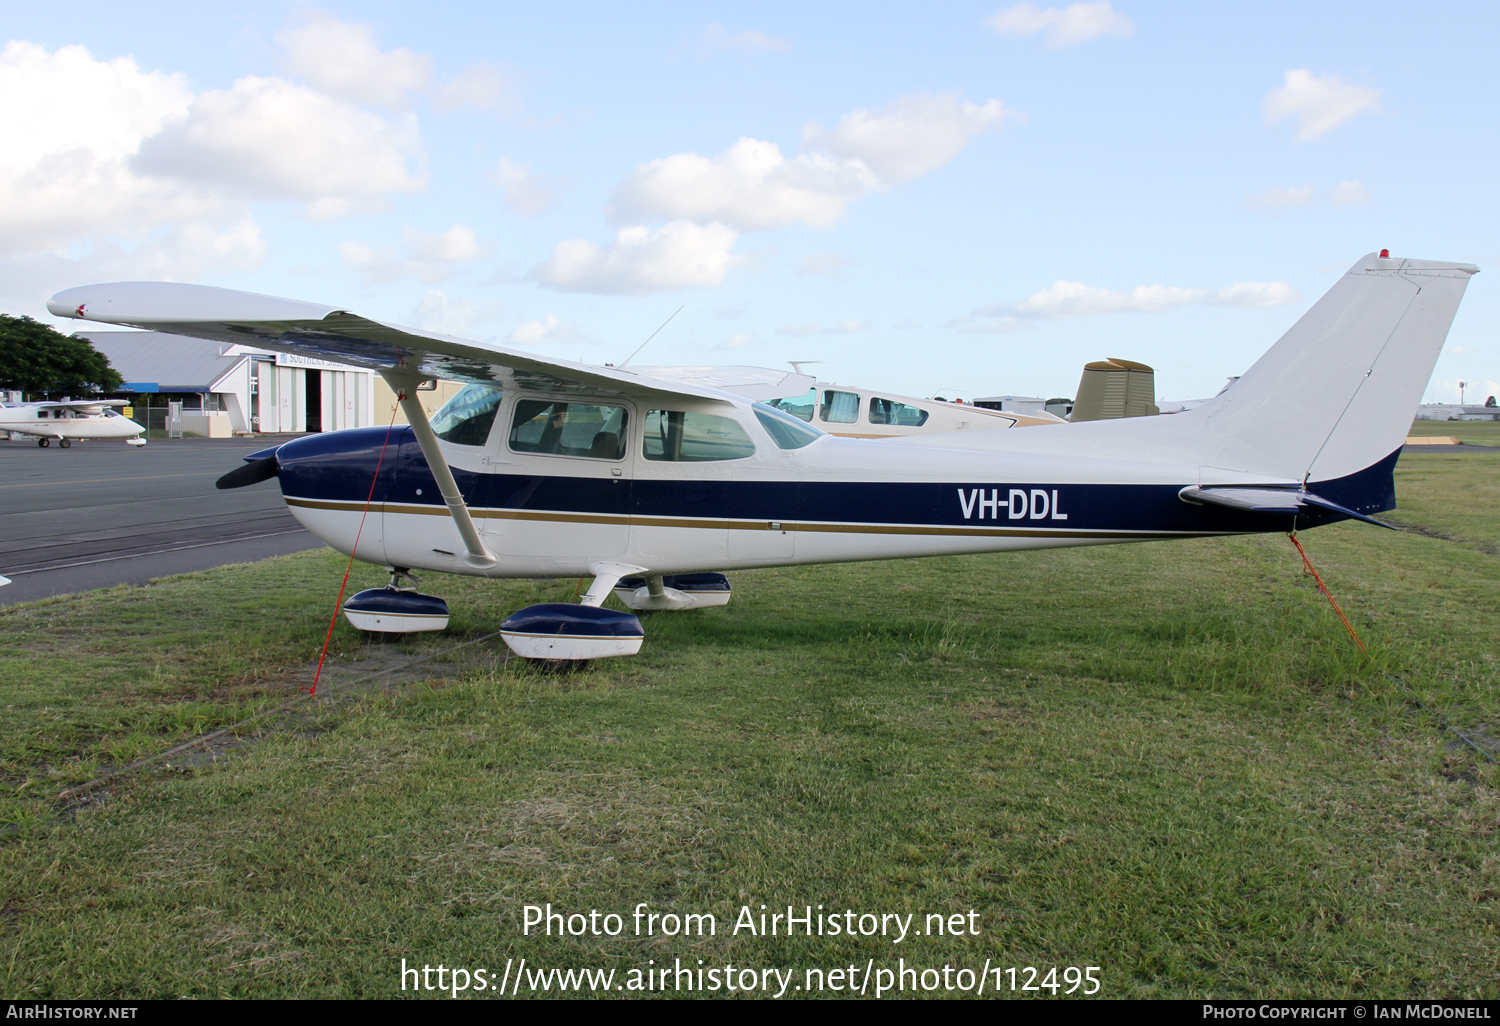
(1337, 393)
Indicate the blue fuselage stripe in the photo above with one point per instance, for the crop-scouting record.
(337, 468)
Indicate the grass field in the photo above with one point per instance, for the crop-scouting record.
(1165, 760)
(1469, 432)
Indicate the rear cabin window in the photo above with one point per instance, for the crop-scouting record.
(839, 407)
(466, 419)
(694, 437)
(552, 428)
(888, 411)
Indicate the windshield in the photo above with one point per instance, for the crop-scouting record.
(466, 419)
(785, 429)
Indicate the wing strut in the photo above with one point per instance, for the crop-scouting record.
(476, 555)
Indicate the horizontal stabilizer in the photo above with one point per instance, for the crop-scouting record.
(1278, 501)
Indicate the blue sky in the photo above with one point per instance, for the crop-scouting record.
(963, 200)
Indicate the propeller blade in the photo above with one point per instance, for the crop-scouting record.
(249, 474)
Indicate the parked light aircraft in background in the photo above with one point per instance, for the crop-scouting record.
(542, 468)
(853, 412)
(70, 419)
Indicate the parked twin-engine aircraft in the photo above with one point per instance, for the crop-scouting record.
(541, 468)
(70, 419)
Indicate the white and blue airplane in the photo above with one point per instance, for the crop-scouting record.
(70, 419)
(654, 481)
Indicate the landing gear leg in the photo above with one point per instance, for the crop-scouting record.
(399, 574)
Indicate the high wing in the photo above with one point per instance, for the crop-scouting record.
(331, 333)
(92, 407)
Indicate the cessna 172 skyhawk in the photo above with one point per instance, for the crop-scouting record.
(70, 419)
(541, 468)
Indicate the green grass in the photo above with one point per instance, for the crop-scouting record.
(1470, 432)
(1166, 760)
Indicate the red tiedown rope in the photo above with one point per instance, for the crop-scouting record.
(1311, 571)
(338, 603)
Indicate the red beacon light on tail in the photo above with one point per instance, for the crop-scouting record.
(1385, 254)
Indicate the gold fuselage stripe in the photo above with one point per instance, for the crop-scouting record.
(632, 520)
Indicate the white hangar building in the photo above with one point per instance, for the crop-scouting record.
(229, 389)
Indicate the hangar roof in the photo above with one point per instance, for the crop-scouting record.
(174, 363)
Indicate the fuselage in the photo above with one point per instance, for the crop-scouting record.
(830, 500)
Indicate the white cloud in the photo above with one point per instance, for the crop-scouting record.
(717, 37)
(1074, 24)
(71, 125)
(1066, 299)
(1254, 295)
(269, 139)
(343, 59)
(430, 256)
(749, 186)
(744, 338)
(549, 329)
(527, 194)
(455, 245)
(818, 328)
(642, 261)
(753, 186)
(74, 206)
(436, 312)
(827, 265)
(483, 86)
(1347, 194)
(179, 253)
(911, 137)
(1318, 103)
(1279, 201)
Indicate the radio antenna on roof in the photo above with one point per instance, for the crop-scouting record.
(649, 337)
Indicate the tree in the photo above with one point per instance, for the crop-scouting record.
(37, 358)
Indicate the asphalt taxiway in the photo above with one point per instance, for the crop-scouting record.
(103, 513)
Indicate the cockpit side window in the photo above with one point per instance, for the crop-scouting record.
(674, 436)
(466, 419)
(553, 428)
